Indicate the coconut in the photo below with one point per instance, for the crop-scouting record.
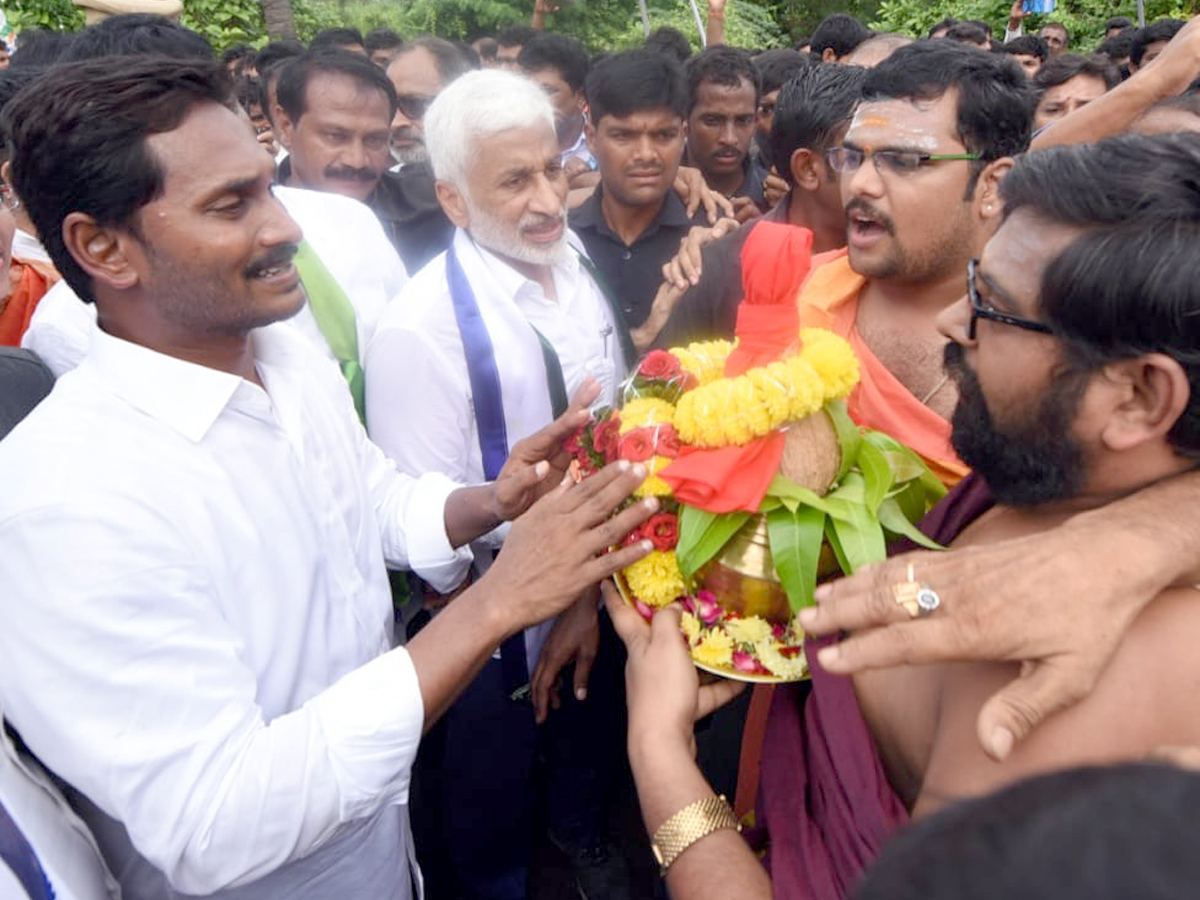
(812, 455)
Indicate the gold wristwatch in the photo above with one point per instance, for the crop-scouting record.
(688, 825)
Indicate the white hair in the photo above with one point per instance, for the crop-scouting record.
(474, 106)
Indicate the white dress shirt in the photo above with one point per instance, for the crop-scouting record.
(197, 620)
(419, 402)
(345, 234)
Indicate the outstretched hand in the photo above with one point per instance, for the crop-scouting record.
(537, 463)
(695, 192)
(662, 685)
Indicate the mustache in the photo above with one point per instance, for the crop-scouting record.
(862, 206)
(407, 133)
(538, 221)
(345, 173)
(277, 258)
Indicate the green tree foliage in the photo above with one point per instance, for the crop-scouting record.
(1084, 18)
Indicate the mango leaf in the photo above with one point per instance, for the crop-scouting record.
(788, 492)
(852, 490)
(835, 544)
(769, 503)
(702, 535)
(796, 539)
(892, 517)
(877, 475)
(861, 539)
(933, 487)
(848, 435)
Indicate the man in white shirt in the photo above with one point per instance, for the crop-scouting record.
(197, 623)
(465, 361)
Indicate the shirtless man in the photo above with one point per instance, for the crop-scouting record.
(1073, 395)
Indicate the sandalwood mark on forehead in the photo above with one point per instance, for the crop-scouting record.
(874, 122)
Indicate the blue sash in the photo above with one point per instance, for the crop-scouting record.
(19, 856)
(489, 421)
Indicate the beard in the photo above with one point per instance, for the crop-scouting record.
(1027, 462)
(502, 237)
(413, 153)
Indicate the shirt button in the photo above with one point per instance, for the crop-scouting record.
(625, 254)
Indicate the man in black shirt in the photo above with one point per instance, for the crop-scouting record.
(634, 221)
(812, 114)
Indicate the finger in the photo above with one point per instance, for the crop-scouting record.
(865, 599)
(672, 272)
(627, 622)
(725, 207)
(1010, 714)
(614, 482)
(606, 565)
(611, 532)
(714, 696)
(914, 642)
(585, 395)
(691, 261)
(539, 688)
(583, 670)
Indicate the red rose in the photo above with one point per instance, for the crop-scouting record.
(574, 444)
(637, 445)
(605, 436)
(659, 365)
(669, 443)
(663, 530)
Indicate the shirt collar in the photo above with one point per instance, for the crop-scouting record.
(506, 280)
(590, 214)
(183, 395)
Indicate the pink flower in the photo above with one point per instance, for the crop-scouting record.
(605, 437)
(646, 611)
(706, 608)
(744, 662)
(663, 530)
(668, 443)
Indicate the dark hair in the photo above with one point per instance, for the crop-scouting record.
(1118, 22)
(633, 81)
(12, 82)
(381, 39)
(1066, 66)
(291, 93)
(1119, 46)
(986, 26)
(241, 55)
(40, 48)
(516, 36)
(451, 62)
(248, 93)
(967, 33)
(1131, 283)
(79, 141)
(1100, 833)
(810, 110)
(136, 34)
(722, 65)
(840, 33)
(1027, 45)
(946, 23)
(995, 100)
(556, 51)
(277, 52)
(487, 47)
(335, 38)
(1162, 30)
(671, 41)
(777, 67)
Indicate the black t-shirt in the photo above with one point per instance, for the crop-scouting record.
(632, 274)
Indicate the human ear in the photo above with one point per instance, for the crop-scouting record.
(103, 252)
(454, 205)
(988, 204)
(807, 171)
(285, 128)
(1149, 394)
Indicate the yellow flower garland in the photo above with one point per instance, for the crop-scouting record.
(642, 412)
(735, 411)
(705, 361)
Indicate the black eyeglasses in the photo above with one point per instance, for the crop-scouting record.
(901, 162)
(979, 311)
(413, 105)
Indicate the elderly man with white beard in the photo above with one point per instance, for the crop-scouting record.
(477, 351)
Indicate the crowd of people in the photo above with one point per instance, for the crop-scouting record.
(300, 597)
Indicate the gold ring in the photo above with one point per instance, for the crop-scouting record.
(905, 594)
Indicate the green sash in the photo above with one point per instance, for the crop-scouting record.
(335, 317)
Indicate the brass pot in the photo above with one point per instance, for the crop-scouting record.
(743, 578)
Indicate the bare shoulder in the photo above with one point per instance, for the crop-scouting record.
(1144, 700)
